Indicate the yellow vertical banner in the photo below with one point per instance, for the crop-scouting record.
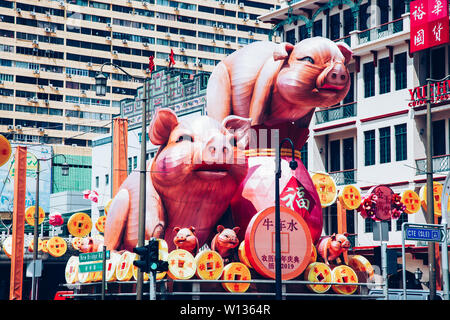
(20, 180)
(120, 154)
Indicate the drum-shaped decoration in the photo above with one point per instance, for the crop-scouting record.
(325, 187)
(181, 264)
(318, 272)
(44, 245)
(29, 215)
(209, 265)
(56, 247)
(79, 224)
(111, 265)
(242, 256)
(124, 269)
(100, 224)
(71, 271)
(31, 245)
(344, 274)
(296, 244)
(236, 271)
(350, 197)
(359, 263)
(84, 277)
(5, 150)
(7, 246)
(76, 243)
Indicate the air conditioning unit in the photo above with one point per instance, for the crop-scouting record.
(83, 91)
(35, 42)
(215, 25)
(200, 64)
(10, 127)
(108, 38)
(62, 4)
(250, 33)
(40, 129)
(245, 19)
(147, 70)
(18, 127)
(37, 72)
(109, 25)
(34, 100)
(68, 75)
(19, 10)
(257, 21)
(124, 41)
(167, 59)
(182, 49)
(168, 34)
(221, 2)
(227, 43)
(47, 29)
(115, 52)
(145, 44)
(145, 3)
(41, 86)
(195, 64)
(56, 88)
(47, 13)
(1, 82)
(186, 62)
(50, 85)
(272, 9)
(213, 41)
(46, 101)
(241, 5)
(156, 15)
(33, 14)
(74, 145)
(89, 64)
(220, 26)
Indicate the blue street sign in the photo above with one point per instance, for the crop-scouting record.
(425, 234)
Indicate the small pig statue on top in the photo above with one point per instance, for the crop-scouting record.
(225, 241)
(333, 247)
(195, 173)
(185, 239)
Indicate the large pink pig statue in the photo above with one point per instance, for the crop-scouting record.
(190, 182)
(278, 86)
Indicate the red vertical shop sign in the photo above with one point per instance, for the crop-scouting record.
(429, 24)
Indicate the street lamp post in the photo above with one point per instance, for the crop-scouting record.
(65, 172)
(293, 165)
(100, 89)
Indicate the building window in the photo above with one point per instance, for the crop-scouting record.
(369, 148)
(290, 36)
(106, 179)
(400, 142)
(350, 97)
(438, 63)
(369, 79)
(400, 71)
(317, 28)
(335, 155)
(385, 145)
(134, 162)
(304, 155)
(335, 26)
(368, 225)
(303, 33)
(400, 220)
(130, 163)
(97, 182)
(384, 71)
(438, 138)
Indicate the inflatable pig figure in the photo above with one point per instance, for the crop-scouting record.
(191, 180)
(278, 86)
(332, 247)
(185, 239)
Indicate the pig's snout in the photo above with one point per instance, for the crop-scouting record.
(336, 78)
(217, 150)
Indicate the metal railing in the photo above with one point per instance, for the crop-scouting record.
(344, 177)
(335, 113)
(441, 163)
(382, 31)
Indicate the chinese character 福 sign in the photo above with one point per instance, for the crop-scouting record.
(429, 24)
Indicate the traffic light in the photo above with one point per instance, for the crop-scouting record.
(153, 254)
(143, 262)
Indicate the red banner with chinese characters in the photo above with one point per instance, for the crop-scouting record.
(429, 24)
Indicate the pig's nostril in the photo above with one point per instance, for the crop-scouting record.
(343, 77)
(333, 75)
(212, 150)
(225, 150)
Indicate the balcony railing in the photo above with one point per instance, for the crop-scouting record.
(440, 163)
(344, 177)
(381, 31)
(340, 112)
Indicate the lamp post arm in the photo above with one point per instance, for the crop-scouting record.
(120, 68)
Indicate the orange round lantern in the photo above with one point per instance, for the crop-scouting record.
(350, 197)
(100, 224)
(344, 274)
(5, 150)
(326, 188)
(31, 245)
(56, 246)
(318, 272)
(236, 271)
(79, 224)
(411, 200)
(437, 197)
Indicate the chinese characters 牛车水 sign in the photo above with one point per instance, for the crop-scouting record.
(429, 24)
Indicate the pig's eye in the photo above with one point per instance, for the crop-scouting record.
(309, 59)
(184, 137)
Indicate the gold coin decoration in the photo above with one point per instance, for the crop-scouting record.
(29, 215)
(360, 263)
(111, 265)
(242, 256)
(318, 272)
(71, 270)
(236, 271)
(350, 197)
(326, 188)
(79, 224)
(124, 269)
(209, 265)
(31, 245)
(181, 264)
(76, 243)
(56, 246)
(7, 246)
(347, 275)
(100, 224)
(44, 245)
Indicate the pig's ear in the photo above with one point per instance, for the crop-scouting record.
(333, 236)
(192, 229)
(236, 229)
(176, 229)
(282, 51)
(162, 125)
(346, 51)
(220, 228)
(240, 128)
